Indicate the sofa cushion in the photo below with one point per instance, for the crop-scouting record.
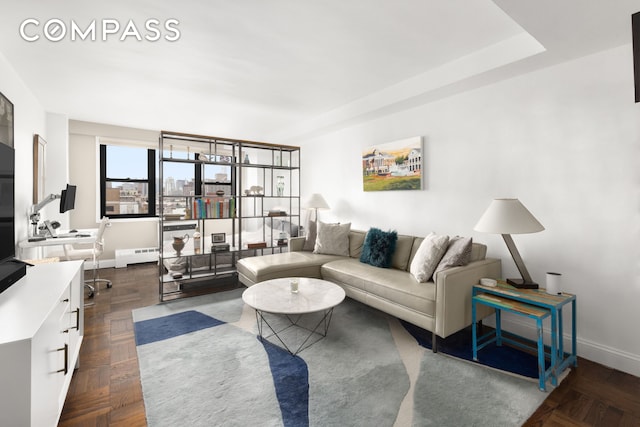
(386, 283)
(428, 256)
(403, 251)
(379, 247)
(332, 239)
(478, 252)
(458, 254)
(356, 241)
(287, 264)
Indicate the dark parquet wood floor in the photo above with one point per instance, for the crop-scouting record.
(106, 390)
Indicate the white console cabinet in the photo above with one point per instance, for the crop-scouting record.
(41, 330)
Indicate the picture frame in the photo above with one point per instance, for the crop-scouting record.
(39, 151)
(6, 121)
(218, 237)
(396, 165)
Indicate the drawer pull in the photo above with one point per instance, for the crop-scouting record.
(77, 312)
(66, 358)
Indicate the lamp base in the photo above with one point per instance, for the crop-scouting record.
(521, 284)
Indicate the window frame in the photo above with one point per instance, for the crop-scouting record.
(150, 181)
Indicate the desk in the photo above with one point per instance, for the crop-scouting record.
(88, 237)
(537, 304)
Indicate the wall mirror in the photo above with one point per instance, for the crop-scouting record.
(39, 145)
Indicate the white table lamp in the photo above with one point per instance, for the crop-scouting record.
(507, 217)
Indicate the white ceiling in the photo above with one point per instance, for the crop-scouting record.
(282, 69)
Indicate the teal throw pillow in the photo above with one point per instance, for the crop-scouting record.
(378, 247)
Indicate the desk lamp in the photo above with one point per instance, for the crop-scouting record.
(507, 217)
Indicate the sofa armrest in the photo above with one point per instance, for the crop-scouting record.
(296, 244)
(453, 294)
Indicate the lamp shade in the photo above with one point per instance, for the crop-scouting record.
(316, 201)
(508, 216)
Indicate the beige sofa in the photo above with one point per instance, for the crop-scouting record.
(442, 307)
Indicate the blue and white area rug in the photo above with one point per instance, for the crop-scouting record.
(201, 364)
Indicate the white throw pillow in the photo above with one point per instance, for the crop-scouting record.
(332, 239)
(428, 256)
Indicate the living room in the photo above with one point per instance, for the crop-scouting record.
(554, 126)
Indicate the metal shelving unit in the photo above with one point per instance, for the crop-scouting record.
(250, 191)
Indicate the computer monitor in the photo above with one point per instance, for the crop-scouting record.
(68, 198)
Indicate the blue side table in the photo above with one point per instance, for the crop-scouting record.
(535, 304)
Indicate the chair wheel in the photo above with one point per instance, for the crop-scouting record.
(91, 294)
(109, 285)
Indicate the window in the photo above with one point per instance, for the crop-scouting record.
(127, 181)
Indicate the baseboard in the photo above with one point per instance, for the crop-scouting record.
(596, 352)
(104, 263)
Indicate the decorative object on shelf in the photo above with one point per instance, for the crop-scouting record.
(246, 159)
(507, 217)
(222, 177)
(220, 193)
(218, 237)
(179, 242)
(315, 202)
(196, 240)
(393, 166)
(553, 283)
(172, 217)
(280, 186)
(276, 212)
(256, 190)
(219, 242)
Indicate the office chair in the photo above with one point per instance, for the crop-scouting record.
(93, 254)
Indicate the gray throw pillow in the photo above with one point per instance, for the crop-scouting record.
(332, 239)
(458, 254)
(428, 256)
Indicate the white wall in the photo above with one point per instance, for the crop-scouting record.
(30, 119)
(564, 140)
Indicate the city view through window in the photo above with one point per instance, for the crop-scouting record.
(127, 190)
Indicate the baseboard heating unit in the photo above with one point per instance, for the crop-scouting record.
(125, 257)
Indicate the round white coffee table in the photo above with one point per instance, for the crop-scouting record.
(275, 297)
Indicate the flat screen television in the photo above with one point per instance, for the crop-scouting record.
(11, 270)
(7, 203)
(68, 198)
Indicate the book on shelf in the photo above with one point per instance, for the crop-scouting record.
(276, 212)
(257, 245)
(216, 207)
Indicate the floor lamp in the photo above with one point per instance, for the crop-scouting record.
(315, 202)
(507, 217)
